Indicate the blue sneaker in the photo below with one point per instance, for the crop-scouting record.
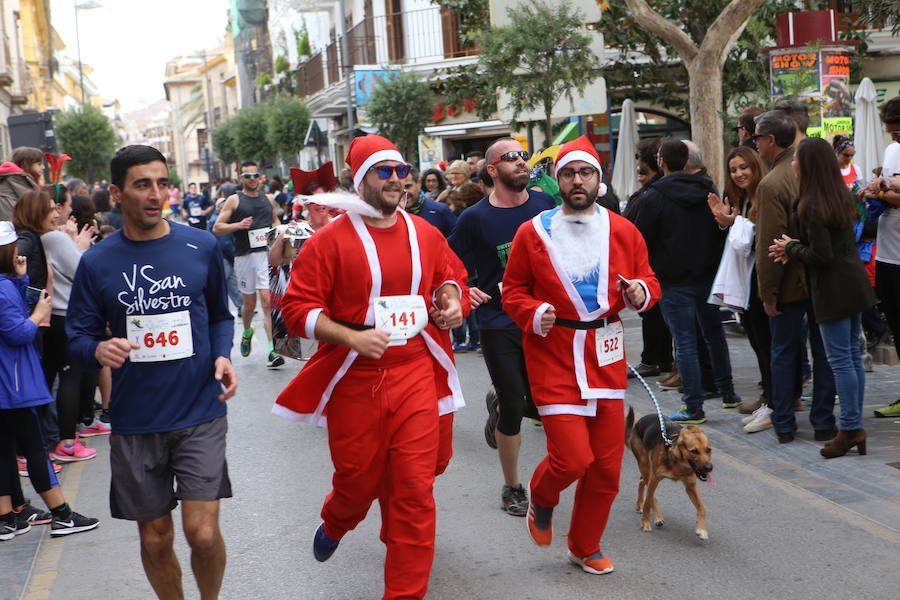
(474, 347)
(690, 417)
(246, 341)
(459, 348)
(323, 546)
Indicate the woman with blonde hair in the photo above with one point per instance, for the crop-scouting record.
(458, 172)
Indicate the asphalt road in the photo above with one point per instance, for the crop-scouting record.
(768, 538)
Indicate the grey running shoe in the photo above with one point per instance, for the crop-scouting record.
(76, 523)
(514, 500)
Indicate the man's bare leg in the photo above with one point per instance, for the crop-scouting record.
(160, 563)
(508, 448)
(265, 305)
(248, 309)
(201, 528)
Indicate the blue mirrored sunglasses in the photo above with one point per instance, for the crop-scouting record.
(384, 171)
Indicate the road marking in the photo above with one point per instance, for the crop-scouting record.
(46, 561)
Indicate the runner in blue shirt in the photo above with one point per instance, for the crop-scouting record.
(159, 287)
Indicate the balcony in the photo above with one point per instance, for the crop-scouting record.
(413, 37)
(23, 86)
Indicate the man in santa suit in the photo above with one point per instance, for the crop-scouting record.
(383, 371)
(562, 287)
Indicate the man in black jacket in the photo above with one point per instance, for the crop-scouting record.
(685, 246)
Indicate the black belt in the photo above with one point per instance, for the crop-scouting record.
(354, 326)
(598, 324)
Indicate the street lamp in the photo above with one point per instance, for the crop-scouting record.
(88, 5)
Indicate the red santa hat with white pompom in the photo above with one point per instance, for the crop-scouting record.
(368, 150)
(581, 149)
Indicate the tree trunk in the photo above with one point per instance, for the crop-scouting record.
(705, 81)
(548, 125)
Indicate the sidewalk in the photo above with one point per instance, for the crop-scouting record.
(867, 485)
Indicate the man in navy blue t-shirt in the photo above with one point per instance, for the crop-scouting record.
(160, 288)
(417, 203)
(483, 236)
(196, 208)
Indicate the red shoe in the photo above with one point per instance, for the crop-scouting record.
(22, 466)
(595, 564)
(540, 524)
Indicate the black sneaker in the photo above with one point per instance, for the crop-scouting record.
(490, 426)
(514, 500)
(33, 515)
(275, 360)
(104, 416)
(76, 523)
(13, 527)
(644, 370)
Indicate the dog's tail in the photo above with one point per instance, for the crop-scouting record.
(629, 425)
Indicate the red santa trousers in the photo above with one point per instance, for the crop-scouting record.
(587, 450)
(383, 434)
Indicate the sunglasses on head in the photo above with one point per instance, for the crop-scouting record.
(384, 171)
(511, 156)
(250, 175)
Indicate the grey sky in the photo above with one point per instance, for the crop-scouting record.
(127, 42)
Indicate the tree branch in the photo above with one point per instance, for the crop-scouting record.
(668, 31)
(728, 27)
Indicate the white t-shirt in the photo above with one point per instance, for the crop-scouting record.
(889, 223)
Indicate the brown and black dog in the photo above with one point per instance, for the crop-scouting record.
(686, 460)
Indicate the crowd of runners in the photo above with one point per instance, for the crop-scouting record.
(523, 259)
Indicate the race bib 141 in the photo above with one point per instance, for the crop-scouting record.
(401, 316)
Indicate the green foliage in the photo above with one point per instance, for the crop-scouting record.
(250, 134)
(87, 136)
(223, 142)
(541, 56)
(282, 65)
(262, 80)
(400, 107)
(663, 78)
(174, 178)
(301, 38)
(878, 13)
(287, 120)
(474, 18)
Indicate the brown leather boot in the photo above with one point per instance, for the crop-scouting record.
(844, 441)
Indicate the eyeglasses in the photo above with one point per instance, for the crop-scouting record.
(583, 172)
(757, 136)
(845, 155)
(511, 156)
(250, 175)
(737, 128)
(455, 173)
(894, 133)
(385, 171)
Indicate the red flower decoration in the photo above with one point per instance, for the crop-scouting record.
(56, 165)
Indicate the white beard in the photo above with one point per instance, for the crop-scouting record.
(575, 238)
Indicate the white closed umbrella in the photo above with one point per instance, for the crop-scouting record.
(624, 180)
(867, 134)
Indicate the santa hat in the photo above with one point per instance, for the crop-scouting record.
(580, 148)
(366, 151)
(323, 176)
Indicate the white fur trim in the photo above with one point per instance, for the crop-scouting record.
(309, 329)
(536, 319)
(578, 155)
(379, 156)
(349, 202)
(643, 307)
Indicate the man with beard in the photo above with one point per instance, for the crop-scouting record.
(563, 286)
(482, 236)
(364, 292)
(249, 214)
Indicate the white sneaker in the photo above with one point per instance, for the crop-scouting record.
(761, 420)
(758, 413)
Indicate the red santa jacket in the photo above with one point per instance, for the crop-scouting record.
(562, 367)
(341, 276)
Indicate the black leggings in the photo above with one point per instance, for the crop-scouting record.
(75, 396)
(657, 339)
(505, 361)
(756, 324)
(22, 432)
(887, 288)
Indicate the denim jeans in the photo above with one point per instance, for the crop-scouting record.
(841, 337)
(470, 324)
(684, 308)
(788, 347)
